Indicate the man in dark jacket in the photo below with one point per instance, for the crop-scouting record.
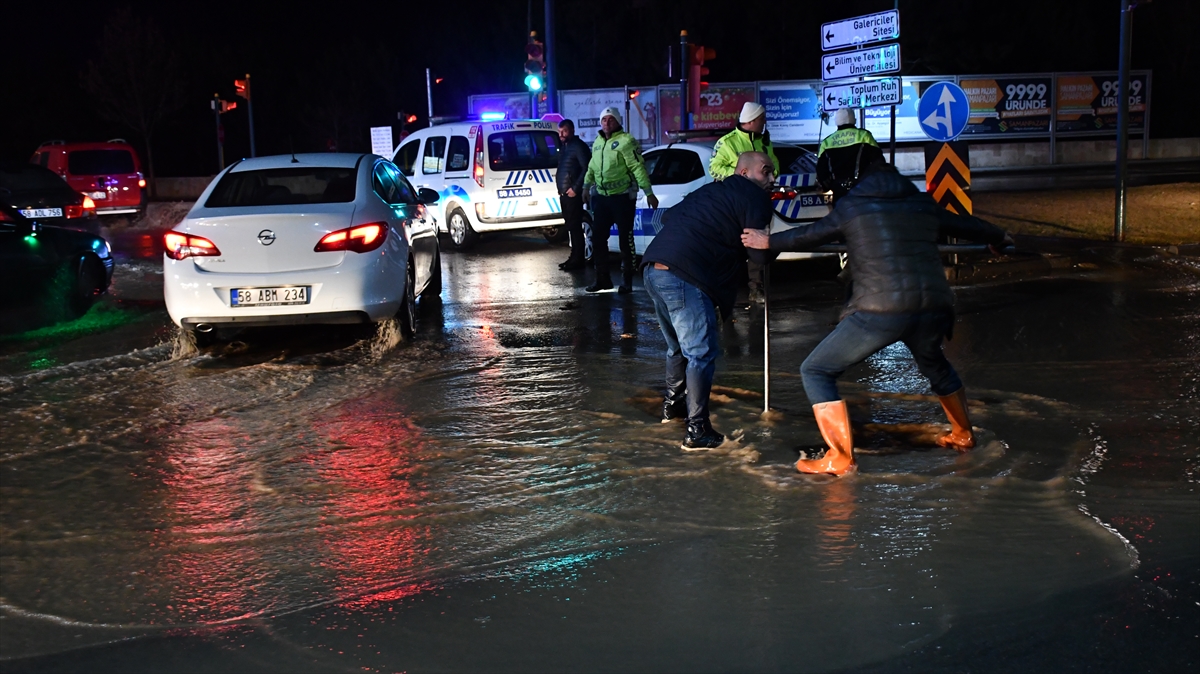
(573, 158)
(891, 231)
(691, 269)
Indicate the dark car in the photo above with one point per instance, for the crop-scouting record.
(41, 195)
(58, 271)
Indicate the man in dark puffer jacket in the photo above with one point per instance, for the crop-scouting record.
(690, 269)
(891, 230)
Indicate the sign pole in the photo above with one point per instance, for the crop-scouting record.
(766, 339)
(1122, 121)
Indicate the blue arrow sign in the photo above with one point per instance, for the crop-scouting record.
(943, 111)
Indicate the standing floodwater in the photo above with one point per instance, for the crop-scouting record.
(500, 494)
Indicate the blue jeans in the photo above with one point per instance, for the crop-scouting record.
(689, 324)
(863, 333)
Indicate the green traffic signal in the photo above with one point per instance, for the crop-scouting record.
(533, 82)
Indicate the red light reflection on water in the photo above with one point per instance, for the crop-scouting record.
(213, 570)
(369, 525)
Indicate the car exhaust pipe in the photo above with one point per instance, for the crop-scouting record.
(204, 327)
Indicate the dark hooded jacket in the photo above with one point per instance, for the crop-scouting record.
(701, 238)
(891, 230)
(573, 160)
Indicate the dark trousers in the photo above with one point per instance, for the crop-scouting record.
(862, 333)
(572, 211)
(617, 209)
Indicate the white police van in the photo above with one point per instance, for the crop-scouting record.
(491, 176)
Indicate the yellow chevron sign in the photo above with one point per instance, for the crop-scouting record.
(948, 175)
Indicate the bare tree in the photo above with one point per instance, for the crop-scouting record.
(135, 78)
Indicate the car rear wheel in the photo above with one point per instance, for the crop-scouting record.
(461, 233)
(587, 237)
(407, 314)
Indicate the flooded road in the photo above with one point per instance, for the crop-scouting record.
(498, 495)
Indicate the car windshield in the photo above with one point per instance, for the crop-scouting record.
(523, 150)
(29, 178)
(274, 187)
(99, 162)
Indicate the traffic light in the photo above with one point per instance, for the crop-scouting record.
(697, 56)
(535, 64)
(243, 87)
(222, 106)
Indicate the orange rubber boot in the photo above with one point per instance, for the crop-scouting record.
(833, 419)
(960, 436)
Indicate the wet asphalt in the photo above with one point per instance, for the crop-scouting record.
(498, 495)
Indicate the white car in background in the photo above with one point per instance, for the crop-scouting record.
(677, 169)
(303, 239)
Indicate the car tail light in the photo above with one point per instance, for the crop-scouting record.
(478, 171)
(4, 217)
(360, 239)
(86, 209)
(783, 195)
(182, 246)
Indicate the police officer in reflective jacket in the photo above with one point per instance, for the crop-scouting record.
(614, 175)
(844, 154)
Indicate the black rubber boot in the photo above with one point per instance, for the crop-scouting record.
(701, 436)
(675, 400)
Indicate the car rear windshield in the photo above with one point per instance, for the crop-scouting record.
(30, 179)
(673, 167)
(99, 162)
(523, 150)
(274, 187)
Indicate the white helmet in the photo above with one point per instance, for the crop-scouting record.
(843, 116)
(611, 111)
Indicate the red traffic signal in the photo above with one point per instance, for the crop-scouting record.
(697, 56)
(222, 106)
(242, 87)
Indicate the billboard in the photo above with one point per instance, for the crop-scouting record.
(720, 105)
(1008, 105)
(583, 106)
(1087, 102)
(515, 106)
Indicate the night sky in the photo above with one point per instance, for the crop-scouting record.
(322, 74)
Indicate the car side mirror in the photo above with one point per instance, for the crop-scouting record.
(427, 196)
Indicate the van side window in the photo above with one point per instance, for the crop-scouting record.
(460, 154)
(435, 153)
(43, 159)
(406, 156)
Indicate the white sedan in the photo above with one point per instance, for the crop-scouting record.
(303, 239)
(679, 168)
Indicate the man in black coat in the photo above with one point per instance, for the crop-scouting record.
(691, 269)
(891, 230)
(573, 158)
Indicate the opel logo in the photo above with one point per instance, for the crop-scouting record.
(266, 237)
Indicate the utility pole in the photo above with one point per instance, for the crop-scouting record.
(551, 82)
(216, 107)
(683, 80)
(429, 94)
(1123, 117)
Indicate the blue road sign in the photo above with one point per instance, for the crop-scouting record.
(943, 111)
